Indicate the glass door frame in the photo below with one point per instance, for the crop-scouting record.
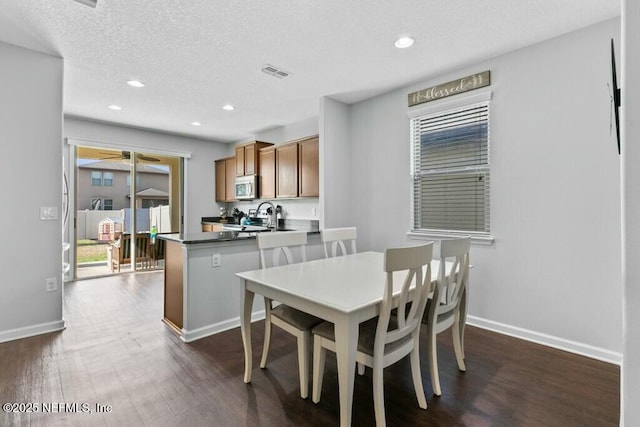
(70, 153)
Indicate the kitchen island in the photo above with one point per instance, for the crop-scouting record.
(201, 291)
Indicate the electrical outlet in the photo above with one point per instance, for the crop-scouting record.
(51, 284)
(216, 260)
(314, 212)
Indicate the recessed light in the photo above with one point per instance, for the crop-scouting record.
(135, 83)
(404, 42)
(228, 107)
(115, 107)
(196, 124)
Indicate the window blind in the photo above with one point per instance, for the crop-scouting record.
(450, 170)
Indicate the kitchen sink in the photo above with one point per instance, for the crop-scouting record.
(252, 228)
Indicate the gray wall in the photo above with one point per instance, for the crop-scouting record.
(630, 399)
(31, 134)
(336, 165)
(553, 274)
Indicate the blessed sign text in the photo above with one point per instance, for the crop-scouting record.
(454, 87)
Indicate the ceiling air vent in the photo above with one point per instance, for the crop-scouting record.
(275, 71)
(90, 3)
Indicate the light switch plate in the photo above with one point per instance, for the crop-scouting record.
(51, 284)
(48, 213)
(216, 260)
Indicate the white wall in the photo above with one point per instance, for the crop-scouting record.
(280, 134)
(200, 175)
(31, 176)
(553, 273)
(335, 152)
(630, 128)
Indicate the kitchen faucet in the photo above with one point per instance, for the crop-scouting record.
(273, 212)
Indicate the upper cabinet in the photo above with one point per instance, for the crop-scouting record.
(287, 170)
(247, 158)
(284, 170)
(308, 167)
(225, 179)
(267, 175)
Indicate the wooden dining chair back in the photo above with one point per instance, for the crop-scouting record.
(289, 319)
(386, 339)
(448, 306)
(336, 240)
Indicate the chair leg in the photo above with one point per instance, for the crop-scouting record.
(303, 362)
(433, 361)
(378, 392)
(415, 373)
(267, 332)
(462, 319)
(456, 331)
(319, 357)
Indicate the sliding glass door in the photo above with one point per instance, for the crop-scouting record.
(123, 199)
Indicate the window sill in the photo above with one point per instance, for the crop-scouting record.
(481, 240)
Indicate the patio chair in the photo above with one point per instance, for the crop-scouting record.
(121, 251)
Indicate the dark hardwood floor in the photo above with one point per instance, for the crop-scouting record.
(116, 351)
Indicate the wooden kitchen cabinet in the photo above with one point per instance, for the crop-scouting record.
(308, 167)
(267, 176)
(247, 159)
(230, 184)
(290, 170)
(225, 179)
(287, 170)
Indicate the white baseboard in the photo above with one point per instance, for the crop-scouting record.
(548, 340)
(501, 328)
(205, 331)
(30, 331)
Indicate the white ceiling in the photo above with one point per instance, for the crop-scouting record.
(194, 56)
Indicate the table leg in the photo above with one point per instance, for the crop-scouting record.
(245, 327)
(346, 331)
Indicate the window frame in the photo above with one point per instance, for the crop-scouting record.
(96, 176)
(441, 106)
(107, 179)
(105, 204)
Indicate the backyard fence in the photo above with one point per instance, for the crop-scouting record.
(88, 221)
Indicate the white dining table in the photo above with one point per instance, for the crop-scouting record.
(344, 290)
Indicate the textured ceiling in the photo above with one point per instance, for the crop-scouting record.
(194, 56)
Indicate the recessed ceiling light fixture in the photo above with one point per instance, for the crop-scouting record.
(196, 124)
(135, 83)
(115, 107)
(228, 107)
(404, 42)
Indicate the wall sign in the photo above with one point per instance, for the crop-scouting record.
(454, 87)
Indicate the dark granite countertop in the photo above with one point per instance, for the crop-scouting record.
(216, 236)
(310, 226)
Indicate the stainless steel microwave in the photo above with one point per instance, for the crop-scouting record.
(246, 187)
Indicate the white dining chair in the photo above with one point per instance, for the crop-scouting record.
(451, 310)
(335, 241)
(386, 339)
(289, 319)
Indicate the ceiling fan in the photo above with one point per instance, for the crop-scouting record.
(126, 155)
